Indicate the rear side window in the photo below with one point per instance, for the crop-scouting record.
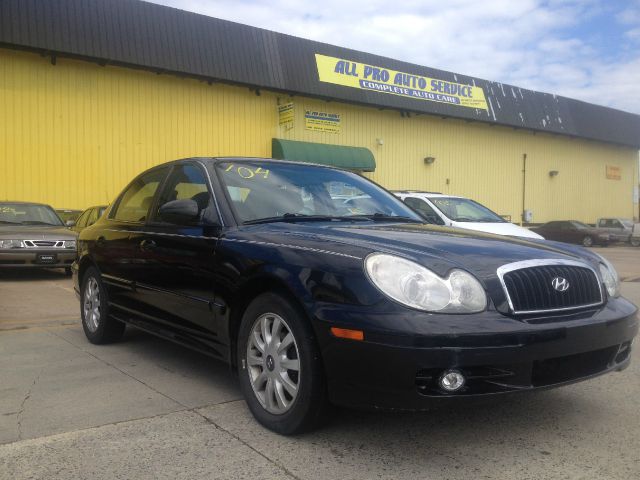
(135, 202)
(424, 209)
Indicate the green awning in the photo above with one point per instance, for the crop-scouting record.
(351, 158)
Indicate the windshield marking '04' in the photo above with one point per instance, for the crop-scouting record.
(266, 190)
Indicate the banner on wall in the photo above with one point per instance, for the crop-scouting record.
(384, 80)
(285, 115)
(322, 121)
(613, 172)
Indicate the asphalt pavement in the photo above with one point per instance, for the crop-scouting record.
(146, 408)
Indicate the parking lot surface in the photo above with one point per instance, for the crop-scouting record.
(146, 408)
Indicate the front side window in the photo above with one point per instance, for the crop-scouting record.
(268, 190)
(83, 219)
(465, 210)
(135, 202)
(28, 214)
(188, 182)
(93, 217)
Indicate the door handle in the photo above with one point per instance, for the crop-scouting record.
(147, 245)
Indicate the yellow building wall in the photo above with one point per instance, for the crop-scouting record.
(74, 134)
(483, 162)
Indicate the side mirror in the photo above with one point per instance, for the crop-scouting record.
(180, 212)
(70, 223)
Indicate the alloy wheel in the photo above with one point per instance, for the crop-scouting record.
(91, 304)
(273, 363)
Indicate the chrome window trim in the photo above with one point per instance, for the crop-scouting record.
(163, 234)
(510, 267)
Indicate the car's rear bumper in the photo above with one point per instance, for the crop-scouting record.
(37, 258)
(391, 374)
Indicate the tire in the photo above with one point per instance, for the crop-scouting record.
(635, 242)
(98, 326)
(281, 408)
(587, 241)
(67, 271)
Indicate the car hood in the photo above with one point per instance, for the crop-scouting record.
(499, 229)
(439, 248)
(36, 232)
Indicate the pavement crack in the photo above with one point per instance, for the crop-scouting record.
(249, 446)
(24, 402)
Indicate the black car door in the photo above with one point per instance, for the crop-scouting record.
(117, 236)
(175, 262)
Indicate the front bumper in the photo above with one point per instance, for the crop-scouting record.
(37, 258)
(498, 355)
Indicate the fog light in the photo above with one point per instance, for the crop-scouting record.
(451, 381)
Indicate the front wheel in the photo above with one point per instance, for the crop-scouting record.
(281, 373)
(94, 310)
(587, 241)
(635, 242)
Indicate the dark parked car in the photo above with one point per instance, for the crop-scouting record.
(572, 231)
(89, 217)
(33, 236)
(259, 263)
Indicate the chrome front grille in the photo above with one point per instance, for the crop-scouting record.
(530, 286)
(44, 243)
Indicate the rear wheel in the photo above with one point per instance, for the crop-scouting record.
(281, 373)
(587, 241)
(94, 309)
(67, 271)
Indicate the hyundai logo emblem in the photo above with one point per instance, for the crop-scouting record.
(560, 284)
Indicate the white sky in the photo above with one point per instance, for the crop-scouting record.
(583, 49)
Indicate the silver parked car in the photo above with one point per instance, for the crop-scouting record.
(33, 236)
(619, 229)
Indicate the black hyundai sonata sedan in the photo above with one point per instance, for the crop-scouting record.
(315, 301)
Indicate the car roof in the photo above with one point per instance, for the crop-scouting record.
(425, 194)
(251, 159)
(23, 203)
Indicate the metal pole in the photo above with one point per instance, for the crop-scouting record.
(524, 185)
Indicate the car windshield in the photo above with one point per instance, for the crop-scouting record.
(27, 214)
(270, 191)
(627, 223)
(465, 210)
(579, 225)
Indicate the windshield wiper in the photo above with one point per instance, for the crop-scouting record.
(381, 217)
(301, 217)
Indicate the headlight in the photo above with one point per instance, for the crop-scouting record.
(609, 277)
(69, 244)
(416, 286)
(11, 244)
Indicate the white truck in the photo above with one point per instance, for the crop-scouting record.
(621, 230)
